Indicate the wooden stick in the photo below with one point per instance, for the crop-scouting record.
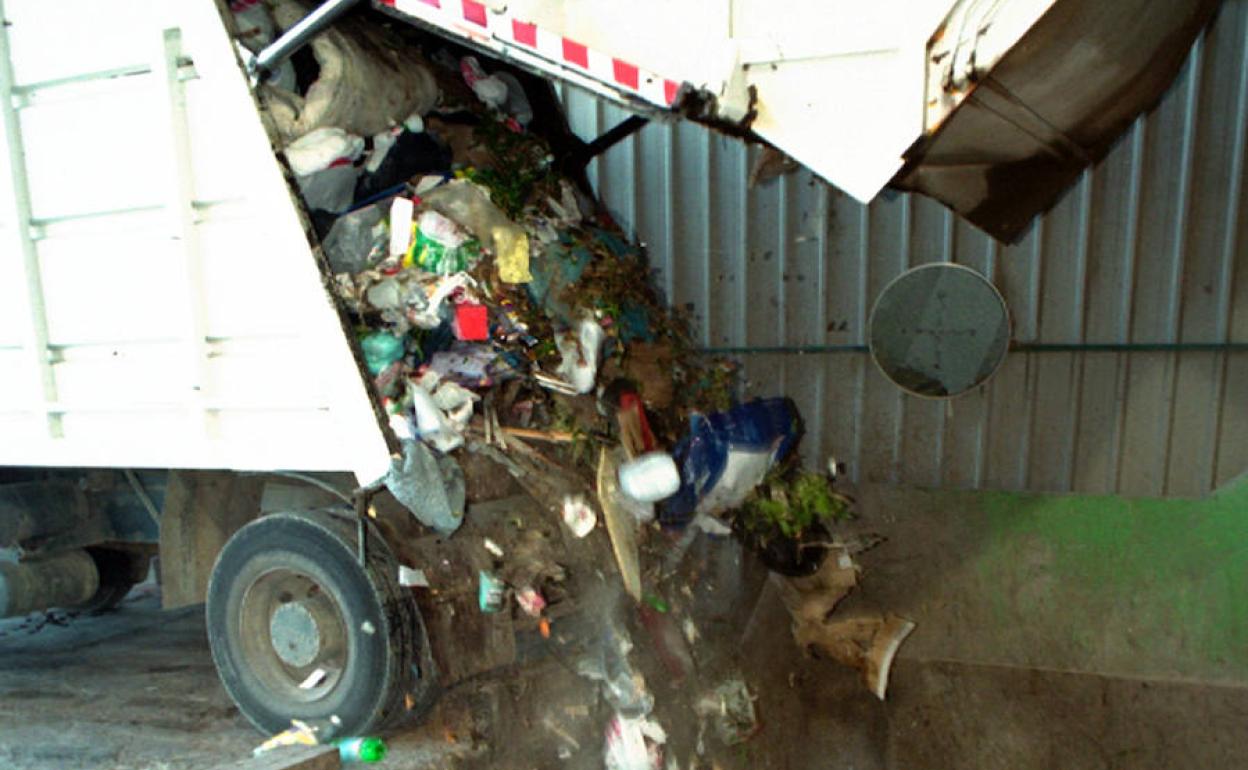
(554, 436)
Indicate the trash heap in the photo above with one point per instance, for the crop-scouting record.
(492, 298)
(498, 308)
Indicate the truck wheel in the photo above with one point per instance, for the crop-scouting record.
(300, 630)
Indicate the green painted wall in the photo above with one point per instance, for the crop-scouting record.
(1103, 584)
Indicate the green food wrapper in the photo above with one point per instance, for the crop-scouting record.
(441, 247)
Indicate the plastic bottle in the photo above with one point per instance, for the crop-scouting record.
(361, 749)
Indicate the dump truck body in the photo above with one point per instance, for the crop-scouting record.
(161, 304)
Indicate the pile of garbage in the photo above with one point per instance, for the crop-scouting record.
(489, 293)
(497, 306)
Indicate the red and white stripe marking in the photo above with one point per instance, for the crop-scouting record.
(526, 41)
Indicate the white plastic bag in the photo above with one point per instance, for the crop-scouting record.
(634, 744)
(321, 148)
(443, 410)
(580, 351)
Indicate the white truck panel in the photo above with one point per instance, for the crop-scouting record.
(177, 316)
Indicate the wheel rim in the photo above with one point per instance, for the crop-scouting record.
(293, 635)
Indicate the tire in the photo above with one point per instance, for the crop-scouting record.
(119, 572)
(288, 578)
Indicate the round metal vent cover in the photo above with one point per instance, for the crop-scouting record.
(939, 330)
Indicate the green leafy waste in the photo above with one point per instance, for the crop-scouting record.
(790, 501)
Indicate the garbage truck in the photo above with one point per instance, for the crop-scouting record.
(170, 339)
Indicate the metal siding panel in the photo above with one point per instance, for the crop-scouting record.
(1192, 430)
(1145, 418)
(727, 247)
(800, 225)
(1054, 422)
(686, 262)
(1236, 245)
(1206, 267)
(1111, 247)
(764, 265)
(1096, 446)
(888, 239)
(652, 195)
(847, 272)
(962, 446)
(841, 408)
(764, 374)
(1005, 462)
(1165, 170)
(803, 230)
(922, 434)
(1232, 447)
(931, 232)
(1060, 314)
(880, 407)
(1017, 277)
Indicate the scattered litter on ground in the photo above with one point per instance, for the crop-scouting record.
(492, 592)
(865, 641)
(624, 687)
(579, 517)
(366, 749)
(634, 744)
(298, 734)
(730, 708)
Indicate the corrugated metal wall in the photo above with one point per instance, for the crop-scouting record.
(1149, 247)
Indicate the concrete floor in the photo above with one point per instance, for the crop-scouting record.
(136, 690)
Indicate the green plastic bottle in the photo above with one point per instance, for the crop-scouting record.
(361, 749)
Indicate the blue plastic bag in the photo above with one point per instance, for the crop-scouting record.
(744, 441)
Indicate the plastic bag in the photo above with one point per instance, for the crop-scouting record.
(471, 208)
(727, 454)
(580, 352)
(623, 687)
(431, 487)
(364, 84)
(380, 350)
(319, 149)
(442, 411)
(634, 744)
(330, 190)
(441, 247)
(357, 240)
